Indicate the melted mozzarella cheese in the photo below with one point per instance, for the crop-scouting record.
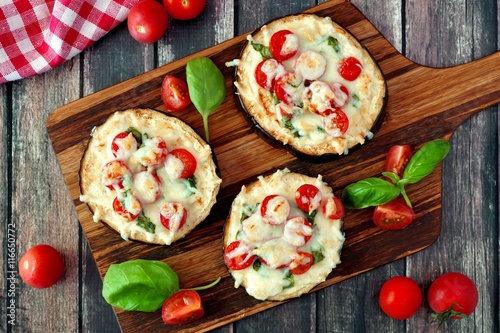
(127, 146)
(146, 187)
(296, 231)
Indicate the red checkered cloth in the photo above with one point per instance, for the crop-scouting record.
(38, 35)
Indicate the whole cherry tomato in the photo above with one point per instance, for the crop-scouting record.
(452, 295)
(174, 93)
(393, 215)
(182, 307)
(147, 21)
(350, 68)
(238, 255)
(400, 297)
(397, 158)
(184, 9)
(41, 266)
(308, 197)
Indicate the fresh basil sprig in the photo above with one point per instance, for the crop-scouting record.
(262, 49)
(376, 191)
(206, 87)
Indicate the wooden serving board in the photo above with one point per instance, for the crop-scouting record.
(424, 104)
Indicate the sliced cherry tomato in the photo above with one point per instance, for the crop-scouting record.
(350, 68)
(128, 208)
(335, 122)
(182, 307)
(147, 21)
(308, 197)
(238, 255)
(183, 164)
(184, 9)
(265, 73)
(397, 158)
(302, 263)
(298, 231)
(289, 87)
(283, 45)
(284, 110)
(41, 266)
(318, 97)
(400, 297)
(452, 295)
(124, 144)
(173, 215)
(113, 173)
(333, 208)
(153, 152)
(147, 186)
(393, 215)
(174, 93)
(274, 209)
(341, 94)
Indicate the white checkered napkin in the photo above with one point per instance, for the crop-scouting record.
(37, 35)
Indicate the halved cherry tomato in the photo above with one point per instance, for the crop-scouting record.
(153, 152)
(184, 9)
(124, 144)
(393, 215)
(41, 266)
(453, 293)
(173, 215)
(335, 122)
(350, 68)
(174, 93)
(400, 297)
(129, 208)
(274, 209)
(265, 73)
(182, 307)
(308, 197)
(302, 263)
(298, 231)
(283, 45)
(397, 158)
(238, 255)
(113, 173)
(187, 160)
(341, 94)
(287, 87)
(333, 208)
(147, 21)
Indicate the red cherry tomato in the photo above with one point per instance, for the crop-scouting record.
(265, 74)
(274, 209)
(184, 9)
(173, 215)
(308, 198)
(350, 68)
(286, 87)
(238, 255)
(113, 173)
(187, 160)
(130, 211)
(174, 93)
(182, 307)
(283, 45)
(397, 158)
(393, 215)
(333, 208)
(41, 266)
(147, 21)
(400, 297)
(302, 263)
(341, 94)
(335, 122)
(154, 152)
(298, 231)
(285, 265)
(453, 294)
(124, 143)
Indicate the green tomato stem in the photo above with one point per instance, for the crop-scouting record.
(208, 286)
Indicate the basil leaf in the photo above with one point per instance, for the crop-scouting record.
(334, 42)
(263, 50)
(145, 222)
(206, 87)
(369, 192)
(425, 160)
(139, 285)
(135, 132)
(318, 256)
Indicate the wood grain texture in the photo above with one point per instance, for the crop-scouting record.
(411, 117)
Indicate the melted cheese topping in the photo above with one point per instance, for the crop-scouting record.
(317, 59)
(278, 245)
(159, 127)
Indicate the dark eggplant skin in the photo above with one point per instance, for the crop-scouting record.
(268, 138)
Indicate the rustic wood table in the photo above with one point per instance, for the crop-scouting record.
(36, 207)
